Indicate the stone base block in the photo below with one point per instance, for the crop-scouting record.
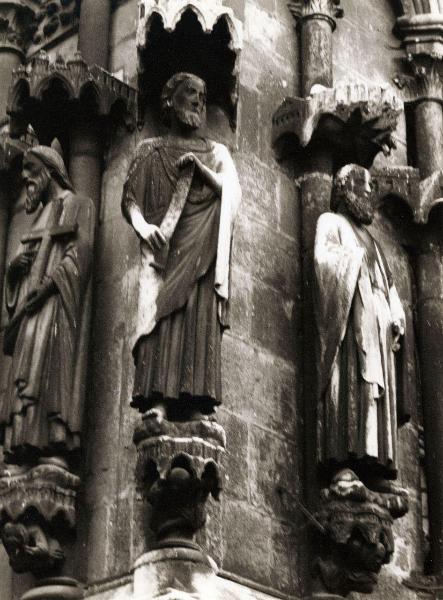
(56, 588)
(174, 574)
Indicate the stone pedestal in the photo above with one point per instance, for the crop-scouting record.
(56, 588)
(174, 572)
(355, 538)
(178, 467)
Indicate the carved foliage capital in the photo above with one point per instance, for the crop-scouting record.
(304, 9)
(425, 80)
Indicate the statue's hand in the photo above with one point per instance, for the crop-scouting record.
(21, 265)
(151, 234)
(397, 331)
(188, 159)
(37, 297)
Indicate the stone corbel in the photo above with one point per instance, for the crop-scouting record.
(355, 119)
(90, 86)
(355, 535)
(37, 516)
(178, 467)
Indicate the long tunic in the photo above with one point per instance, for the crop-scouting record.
(41, 412)
(183, 295)
(355, 306)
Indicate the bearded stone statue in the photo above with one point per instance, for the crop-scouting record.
(46, 283)
(180, 197)
(359, 320)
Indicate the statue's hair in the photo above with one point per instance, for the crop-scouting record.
(341, 182)
(169, 90)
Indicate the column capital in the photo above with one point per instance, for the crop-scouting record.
(328, 10)
(425, 81)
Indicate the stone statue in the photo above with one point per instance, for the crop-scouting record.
(41, 411)
(180, 197)
(359, 320)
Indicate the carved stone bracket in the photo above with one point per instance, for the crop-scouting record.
(79, 83)
(178, 466)
(356, 119)
(37, 509)
(356, 537)
(316, 9)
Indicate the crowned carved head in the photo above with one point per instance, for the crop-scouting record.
(352, 193)
(184, 99)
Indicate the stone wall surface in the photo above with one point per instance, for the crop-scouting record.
(258, 532)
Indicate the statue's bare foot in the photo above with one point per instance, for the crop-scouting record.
(196, 415)
(157, 413)
(7, 470)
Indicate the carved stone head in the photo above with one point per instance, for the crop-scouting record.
(41, 164)
(184, 96)
(352, 193)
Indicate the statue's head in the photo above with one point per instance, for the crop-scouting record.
(41, 165)
(14, 537)
(353, 192)
(184, 98)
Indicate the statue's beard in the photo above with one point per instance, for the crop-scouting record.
(36, 190)
(189, 117)
(359, 207)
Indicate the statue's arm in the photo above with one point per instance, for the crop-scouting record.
(397, 313)
(134, 190)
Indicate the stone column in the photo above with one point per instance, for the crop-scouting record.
(429, 273)
(13, 41)
(316, 20)
(93, 35)
(430, 330)
(85, 164)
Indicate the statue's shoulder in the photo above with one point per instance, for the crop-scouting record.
(143, 151)
(332, 219)
(74, 202)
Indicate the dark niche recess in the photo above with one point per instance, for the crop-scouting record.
(188, 48)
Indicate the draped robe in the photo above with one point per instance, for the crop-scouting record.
(355, 305)
(184, 289)
(42, 409)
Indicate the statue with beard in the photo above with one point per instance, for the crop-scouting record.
(180, 197)
(359, 320)
(46, 284)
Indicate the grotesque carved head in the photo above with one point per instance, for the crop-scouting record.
(353, 192)
(184, 95)
(14, 537)
(41, 164)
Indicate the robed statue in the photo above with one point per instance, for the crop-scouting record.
(46, 286)
(181, 196)
(359, 319)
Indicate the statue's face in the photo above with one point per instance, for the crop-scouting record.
(358, 199)
(189, 102)
(36, 178)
